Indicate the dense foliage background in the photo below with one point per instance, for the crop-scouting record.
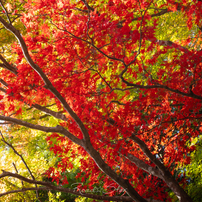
(101, 99)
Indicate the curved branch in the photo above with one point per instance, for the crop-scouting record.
(163, 87)
(32, 126)
(59, 188)
(57, 129)
(49, 186)
(169, 43)
(141, 164)
(108, 171)
(57, 115)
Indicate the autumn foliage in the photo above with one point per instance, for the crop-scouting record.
(126, 77)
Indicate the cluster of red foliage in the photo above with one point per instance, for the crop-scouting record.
(128, 97)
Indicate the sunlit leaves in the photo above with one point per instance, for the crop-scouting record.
(125, 68)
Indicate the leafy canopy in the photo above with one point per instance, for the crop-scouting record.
(120, 82)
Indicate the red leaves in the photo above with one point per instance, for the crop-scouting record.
(120, 76)
(19, 111)
(2, 107)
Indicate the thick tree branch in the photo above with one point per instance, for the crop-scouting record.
(57, 129)
(139, 163)
(107, 170)
(3, 90)
(86, 143)
(3, 82)
(32, 126)
(167, 177)
(170, 44)
(7, 66)
(57, 115)
(161, 172)
(47, 82)
(49, 186)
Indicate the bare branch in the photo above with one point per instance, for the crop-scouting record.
(57, 129)
(49, 186)
(3, 82)
(57, 115)
(30, 125)
(163, 87)
(16, 170)
(16, 152)
(3, 90)
(139, 163)
(87, 5)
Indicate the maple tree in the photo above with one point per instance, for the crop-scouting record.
(124, 78)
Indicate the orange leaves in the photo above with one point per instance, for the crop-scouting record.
(46, 29)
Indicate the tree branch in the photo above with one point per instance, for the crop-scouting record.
(167, 177)
(16, 152)
(49, 186)
(139, 163)
(57, 115)
(169, 43)
(32, 126)
(47, 82)
(163, 87)
(6, 12)
(57, 129)
(85, 143)
(7, 66)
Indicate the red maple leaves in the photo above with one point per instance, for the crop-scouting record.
(121, 77)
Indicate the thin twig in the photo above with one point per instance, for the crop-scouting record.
(16, 152)
(6, 12)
